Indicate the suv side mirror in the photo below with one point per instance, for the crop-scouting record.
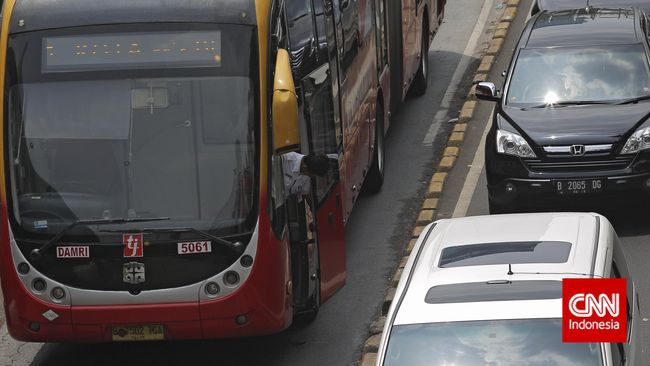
(286, 133)
(487, 91)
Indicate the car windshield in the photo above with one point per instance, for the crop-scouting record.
(166, 132)
(531, 342)
(579, 74)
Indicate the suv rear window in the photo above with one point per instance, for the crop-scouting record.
(505, 253)
(494, 291)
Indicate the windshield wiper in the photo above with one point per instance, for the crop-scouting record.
(634, 100)
(571, 102)
(36, 253)
(235, 247)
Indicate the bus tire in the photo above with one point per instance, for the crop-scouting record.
(375, 177)
(421, 80)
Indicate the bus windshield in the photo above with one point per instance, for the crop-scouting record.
(113, 124)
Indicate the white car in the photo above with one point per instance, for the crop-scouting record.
(486, 290)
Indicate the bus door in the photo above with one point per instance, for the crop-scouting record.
(327, 193)
(321, 90)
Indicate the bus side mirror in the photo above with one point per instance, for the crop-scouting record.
(487, 91)
(286, 134)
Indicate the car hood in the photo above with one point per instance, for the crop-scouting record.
(586, 124)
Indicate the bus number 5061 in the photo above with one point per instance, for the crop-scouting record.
(194, 247)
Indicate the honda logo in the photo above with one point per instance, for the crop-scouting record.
(577, 150)
(133, 273)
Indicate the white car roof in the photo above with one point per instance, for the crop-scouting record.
(580, 230)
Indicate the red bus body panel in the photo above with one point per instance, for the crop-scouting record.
(331, 247)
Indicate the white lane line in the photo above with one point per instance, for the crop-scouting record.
(440, 116)
(13, 352)
(471, 180)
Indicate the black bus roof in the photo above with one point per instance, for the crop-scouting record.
(32, 15)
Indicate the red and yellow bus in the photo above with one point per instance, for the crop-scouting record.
(142, 193)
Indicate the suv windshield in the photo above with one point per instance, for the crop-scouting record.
(579, 74)
(159, 122)
(532, 342)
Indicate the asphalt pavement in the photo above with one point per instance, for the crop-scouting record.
(376, 233)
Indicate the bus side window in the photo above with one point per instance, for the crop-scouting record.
(304, 44)
(382, 34)
(322, 128)
(351, 32)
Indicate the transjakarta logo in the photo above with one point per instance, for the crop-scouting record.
(132, 245)
(593, 310)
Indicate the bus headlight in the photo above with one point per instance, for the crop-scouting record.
(212, 289)
(39, 285)
(231, 278)
(57, 293)
(23, 268)
(246, 261)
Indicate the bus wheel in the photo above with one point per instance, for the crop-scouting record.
(419, 86)
(375, 177)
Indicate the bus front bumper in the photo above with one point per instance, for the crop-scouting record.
(177, 321)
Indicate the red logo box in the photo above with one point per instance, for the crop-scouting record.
(133, 245)
(593, 310)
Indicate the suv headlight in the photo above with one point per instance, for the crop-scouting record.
(512, 144)
(640, 140)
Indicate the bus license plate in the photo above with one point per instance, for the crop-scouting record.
(578, 186)
(138, 333)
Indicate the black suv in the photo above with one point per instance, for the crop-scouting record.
(573, 116)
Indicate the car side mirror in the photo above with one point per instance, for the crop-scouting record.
(487, 91)
(286, 133)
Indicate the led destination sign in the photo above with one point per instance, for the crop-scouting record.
(131, 51)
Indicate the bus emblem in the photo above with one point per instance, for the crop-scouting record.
(133, 273)
(132, 245)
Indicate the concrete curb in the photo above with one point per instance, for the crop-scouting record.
(429, 208)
